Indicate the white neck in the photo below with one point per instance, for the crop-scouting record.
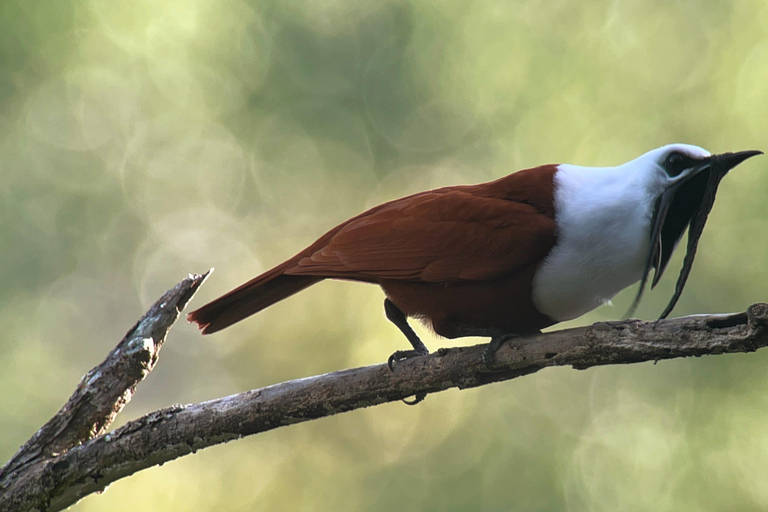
(603, 218)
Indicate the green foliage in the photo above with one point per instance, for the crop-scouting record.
(143, 140)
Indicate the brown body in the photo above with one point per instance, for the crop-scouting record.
(459, 257)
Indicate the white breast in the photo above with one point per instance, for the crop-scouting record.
(603, 218)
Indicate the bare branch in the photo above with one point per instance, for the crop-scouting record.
(105, 390)
(170, 433)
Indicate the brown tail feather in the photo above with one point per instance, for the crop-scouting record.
(248, 299)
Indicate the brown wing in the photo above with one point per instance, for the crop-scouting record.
(446, 235)
(453, 234)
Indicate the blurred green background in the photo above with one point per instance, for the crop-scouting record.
(143, 140)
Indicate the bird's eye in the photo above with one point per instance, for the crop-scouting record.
(675, 164)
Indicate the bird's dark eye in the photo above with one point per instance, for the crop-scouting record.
(676, 163)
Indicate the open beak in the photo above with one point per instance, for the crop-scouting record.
(685, 204)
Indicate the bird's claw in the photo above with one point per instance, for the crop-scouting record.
(489, 354)
(417, 398)
(401, 355)
(489, 359)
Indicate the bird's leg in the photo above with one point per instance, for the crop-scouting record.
(398, 318)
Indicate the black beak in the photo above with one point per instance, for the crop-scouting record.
(677, 205)
(727, 161)
(685, 204)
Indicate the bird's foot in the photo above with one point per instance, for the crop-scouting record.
(417, 398)
(489, 354)
(402, 355)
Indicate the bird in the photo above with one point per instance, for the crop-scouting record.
(508, 257)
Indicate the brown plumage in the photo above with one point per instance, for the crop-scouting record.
(457, 257)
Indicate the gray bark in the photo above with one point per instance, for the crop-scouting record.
(71, 456)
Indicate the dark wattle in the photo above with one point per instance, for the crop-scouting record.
(686, 200)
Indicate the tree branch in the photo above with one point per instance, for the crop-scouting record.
(56, 482)
(99, 398)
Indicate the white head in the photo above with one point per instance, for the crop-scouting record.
(684, 180)
(662, 168)
(616, 223)
(675, 180)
